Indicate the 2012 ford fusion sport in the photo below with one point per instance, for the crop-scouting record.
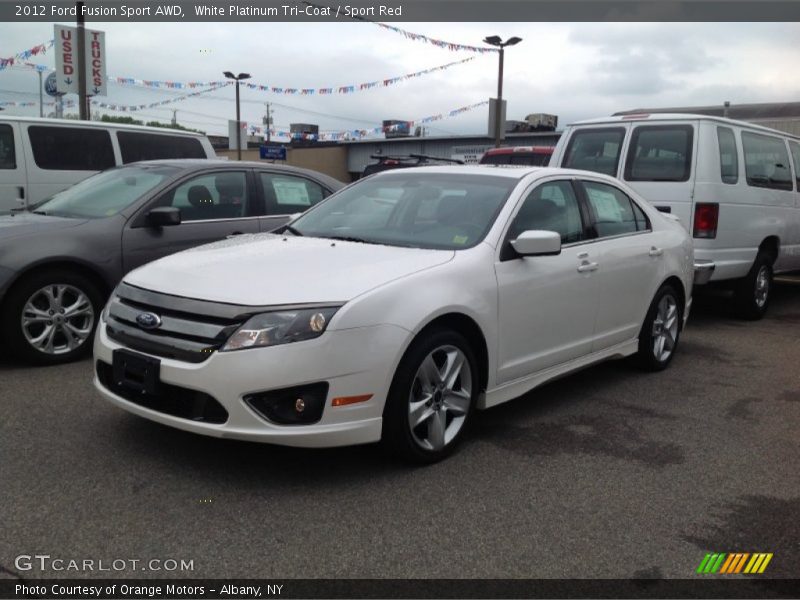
(397, 307)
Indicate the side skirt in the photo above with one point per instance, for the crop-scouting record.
(514, 389)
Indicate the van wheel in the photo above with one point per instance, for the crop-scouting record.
(752, 294)
(49, 318)
(431, 398)
(658, 339)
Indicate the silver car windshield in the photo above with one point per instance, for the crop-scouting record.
(447, 211)
(106, 193)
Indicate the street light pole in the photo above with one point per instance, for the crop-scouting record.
(237, 79)
(495, 40)
(41, 96)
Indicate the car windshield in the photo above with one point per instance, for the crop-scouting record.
(106, 193)
(420, 210)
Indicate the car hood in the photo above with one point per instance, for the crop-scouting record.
(26, 223)
(267, 269)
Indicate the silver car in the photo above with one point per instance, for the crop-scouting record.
(60, 260)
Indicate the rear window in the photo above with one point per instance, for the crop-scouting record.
(8, 157)
(595, 150)
(531, 159)
(728, 156)
(136, 146)
(660, 153)
(766, 162)
(71, 148)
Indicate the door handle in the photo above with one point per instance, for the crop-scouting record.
(656, 251)
(586, 267)
(21, 192)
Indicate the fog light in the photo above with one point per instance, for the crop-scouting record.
(299, 405)
(317, 322)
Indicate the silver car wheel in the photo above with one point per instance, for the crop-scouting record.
(762, 286)
(57, 319)
(665, 328)
(440, 398)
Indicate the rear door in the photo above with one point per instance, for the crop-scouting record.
(629, 254)
(213, 204)
(286, 194)
(13, 180)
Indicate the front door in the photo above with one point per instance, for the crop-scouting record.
(547, 304)
(213, 206)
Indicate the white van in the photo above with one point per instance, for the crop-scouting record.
(39, 157)
(732, 184)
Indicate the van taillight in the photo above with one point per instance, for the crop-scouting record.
(706, 216)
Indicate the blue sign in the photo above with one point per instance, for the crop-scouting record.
(272, 152)
(50, 87)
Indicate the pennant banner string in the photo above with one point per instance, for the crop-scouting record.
(26, 55)
(361, 133)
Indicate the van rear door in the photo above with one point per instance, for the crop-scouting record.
(660, 164)
(13, 180)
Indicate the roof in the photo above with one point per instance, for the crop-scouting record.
(743, 112)
(198, 164)
(521, 150)
(454, 138)
(638, 117)
(509, 171)
(99, 124)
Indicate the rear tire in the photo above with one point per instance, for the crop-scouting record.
(431, 398)
(658, 339)
(49, 318)
(751, 295)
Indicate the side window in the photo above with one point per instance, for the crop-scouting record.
(613, 210)
(660, 153)
(795, 148)
(551, 207)
(766, 162)
(642, 222)
(728, 156)
(211, 196)
(287, 194)
(594, 150)
(136, 146)
(71, 148)
(8, 156)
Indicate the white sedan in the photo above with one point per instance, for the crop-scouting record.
(397, 307)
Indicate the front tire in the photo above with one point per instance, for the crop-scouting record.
(752, 294)
(431, 398)
(661, 330)
(49, 317)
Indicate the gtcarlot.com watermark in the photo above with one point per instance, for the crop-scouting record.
(47, 563)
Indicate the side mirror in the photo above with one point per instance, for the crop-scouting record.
(164, 216)
(537, 243)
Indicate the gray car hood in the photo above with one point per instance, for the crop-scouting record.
(26, 223)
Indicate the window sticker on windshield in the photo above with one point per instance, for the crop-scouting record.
(460, 239)
(605, 206)
(290, 192)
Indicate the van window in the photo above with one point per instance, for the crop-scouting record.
(71, 148)
(795, 147)
(136, 146)
(766, 162)
(660, 153)
(8, 156)
(728, 156)
(595, 150)
(613, 210)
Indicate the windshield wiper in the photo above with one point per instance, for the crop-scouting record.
(349, 238)
(39, 212)
(292, 230)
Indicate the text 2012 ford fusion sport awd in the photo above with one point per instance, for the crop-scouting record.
(396, 307)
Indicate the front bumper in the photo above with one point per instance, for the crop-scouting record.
(703, 271)
(353, 362)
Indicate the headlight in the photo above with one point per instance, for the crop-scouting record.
(281, 327)
(107, 307)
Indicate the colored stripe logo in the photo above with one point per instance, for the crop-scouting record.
(734, 563)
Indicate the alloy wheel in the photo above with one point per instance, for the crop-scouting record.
(762, 286)
(57, 319)
(665, 328)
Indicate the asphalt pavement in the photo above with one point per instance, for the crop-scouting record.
(607, 473)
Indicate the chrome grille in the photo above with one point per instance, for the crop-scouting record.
(190, 330)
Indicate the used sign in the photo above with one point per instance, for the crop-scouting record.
(66, 43)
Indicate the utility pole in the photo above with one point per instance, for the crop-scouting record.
(83, 104)
(174, 117)
(268, 121)
(41, 94)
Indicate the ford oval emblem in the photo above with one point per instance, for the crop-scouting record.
(148, 320)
